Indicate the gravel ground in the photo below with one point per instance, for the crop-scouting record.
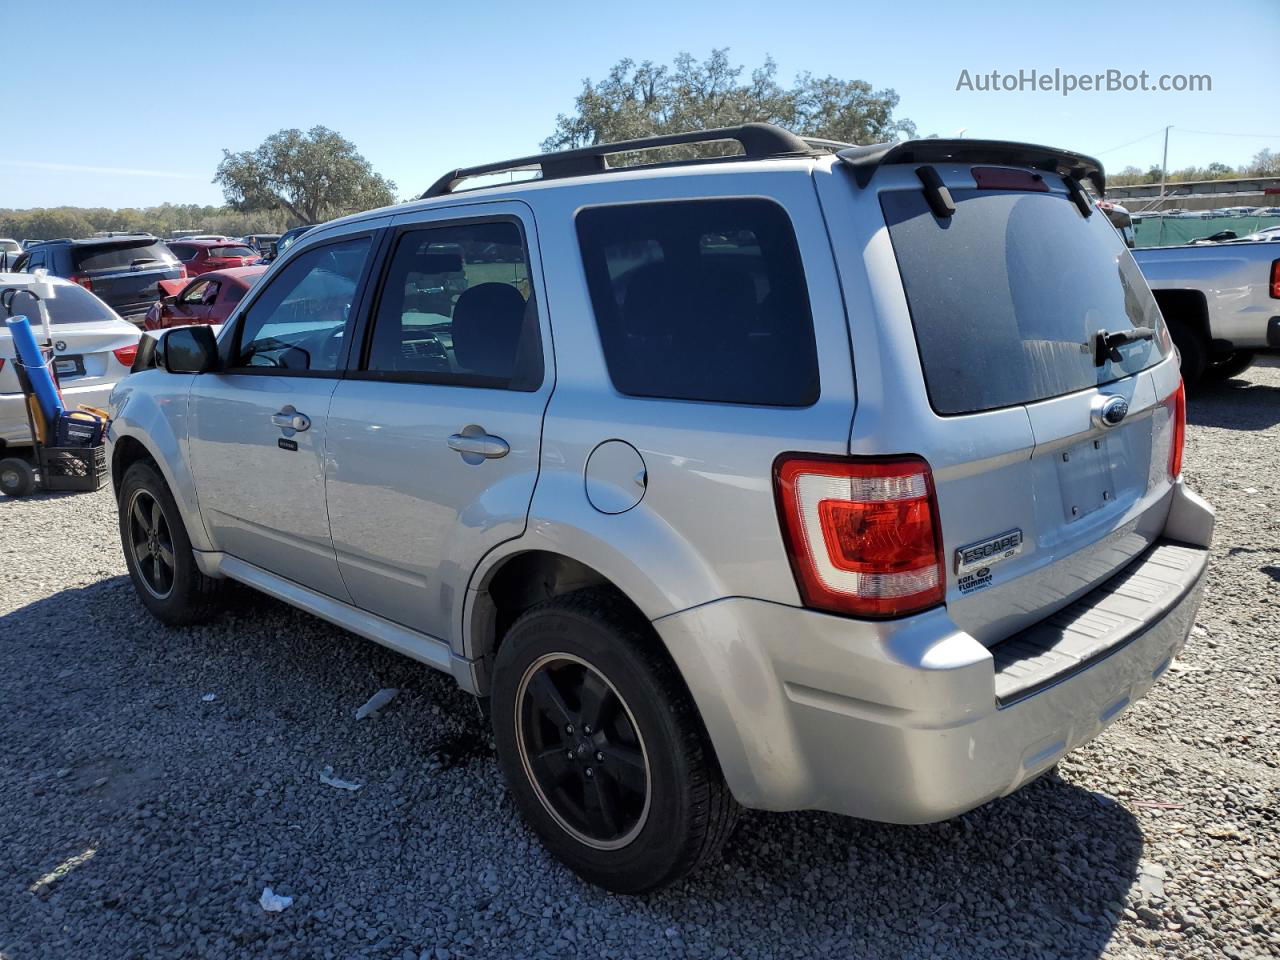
(142, 817)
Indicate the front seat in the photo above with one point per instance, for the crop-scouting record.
(487, 320)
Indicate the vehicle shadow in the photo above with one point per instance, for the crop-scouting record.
(1044, 872)
(1241, 403)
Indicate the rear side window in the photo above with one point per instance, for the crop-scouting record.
(701, 300)
(1007, 297)
(236, 251)
(457, 308)
(183, 251)
(120, 257)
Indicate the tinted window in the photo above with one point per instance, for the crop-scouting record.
(701, 300)
(183, 251)
(1008, 295)
(232, 252)
(456, 307)
(202, 292)
(121, 257)
(70, 304)
(299, 321)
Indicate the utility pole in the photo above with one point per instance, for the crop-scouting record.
(1164, 161)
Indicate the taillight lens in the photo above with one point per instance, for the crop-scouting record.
(126, 355)
(862, 535)
(1275, 279)
(83, 280)
(1177, 404)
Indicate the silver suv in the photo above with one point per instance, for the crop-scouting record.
(815, 476)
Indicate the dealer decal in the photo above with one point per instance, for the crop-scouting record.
(980, 579)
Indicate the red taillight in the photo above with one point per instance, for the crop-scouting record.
(182, 272)
(862, 535)
(1177, 404)
(126, 355)
(1275, 279)
(83, 280)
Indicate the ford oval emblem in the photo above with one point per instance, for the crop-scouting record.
(1113, 410)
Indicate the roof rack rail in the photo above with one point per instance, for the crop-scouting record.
(1066, 163)
(758, 140)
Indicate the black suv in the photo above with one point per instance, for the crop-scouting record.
(123, 271)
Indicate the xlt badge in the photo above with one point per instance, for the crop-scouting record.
(988, 552)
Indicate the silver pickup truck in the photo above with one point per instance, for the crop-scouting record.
(1221, 303)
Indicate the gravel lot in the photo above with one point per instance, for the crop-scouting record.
(141, 818)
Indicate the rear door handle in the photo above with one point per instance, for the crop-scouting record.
(291, 419)
(477, 446)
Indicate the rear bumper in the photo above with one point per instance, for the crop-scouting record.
(14, 430)
(901, 721)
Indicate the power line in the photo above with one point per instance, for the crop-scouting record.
(1211, 133)
(1132, 142)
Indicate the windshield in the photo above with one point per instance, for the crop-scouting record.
(70, 304)
(1008, 295)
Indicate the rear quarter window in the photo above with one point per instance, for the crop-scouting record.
(1008, 294)
(701, 300)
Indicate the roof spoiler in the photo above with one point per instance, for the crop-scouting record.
(864, 161)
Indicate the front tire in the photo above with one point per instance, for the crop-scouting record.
(602, 747)
(158, 551)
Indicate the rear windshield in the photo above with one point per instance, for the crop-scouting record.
(10, 246)
(232, 252)
(1007, 297)
(701, 300)
(70, 304)
(145, 255)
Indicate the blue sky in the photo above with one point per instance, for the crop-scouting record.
(140, 98)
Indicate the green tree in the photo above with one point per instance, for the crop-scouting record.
(313, 177)
(1265, 163)
(644, 99)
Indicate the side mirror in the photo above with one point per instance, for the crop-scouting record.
(190, 350)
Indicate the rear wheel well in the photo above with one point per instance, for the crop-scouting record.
(127, 452)
(1187, 309)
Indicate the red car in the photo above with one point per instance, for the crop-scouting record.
(209, 298)
(201, 256)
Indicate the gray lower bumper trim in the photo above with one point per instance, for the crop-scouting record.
(1099, 623)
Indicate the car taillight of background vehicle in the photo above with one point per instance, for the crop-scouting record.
(862, 534)
(126, 355)
(1275, 279)
(1176, 403)
(82, 280)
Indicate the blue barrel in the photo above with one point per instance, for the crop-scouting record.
(32, 360)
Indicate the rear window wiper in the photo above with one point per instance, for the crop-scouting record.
(1107, 345)
(141, 260)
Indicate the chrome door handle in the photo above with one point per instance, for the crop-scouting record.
(477, 446)
(291, 419)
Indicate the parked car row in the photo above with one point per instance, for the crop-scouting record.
(1179, 213)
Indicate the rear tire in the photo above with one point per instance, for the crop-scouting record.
(637, 801)
(1232, 365)
(158, 551)
(17, 477)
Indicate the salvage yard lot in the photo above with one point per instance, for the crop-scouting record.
(139, 818)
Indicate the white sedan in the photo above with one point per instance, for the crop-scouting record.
(93, 349)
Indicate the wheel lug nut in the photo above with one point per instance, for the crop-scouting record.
(589, 772)
(568, 728)
(572, 755)
(586, 729)
(599, 756)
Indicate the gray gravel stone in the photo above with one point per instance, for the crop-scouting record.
(191, 808)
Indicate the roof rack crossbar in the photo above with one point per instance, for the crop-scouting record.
(758, 140)
(1066, 163)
